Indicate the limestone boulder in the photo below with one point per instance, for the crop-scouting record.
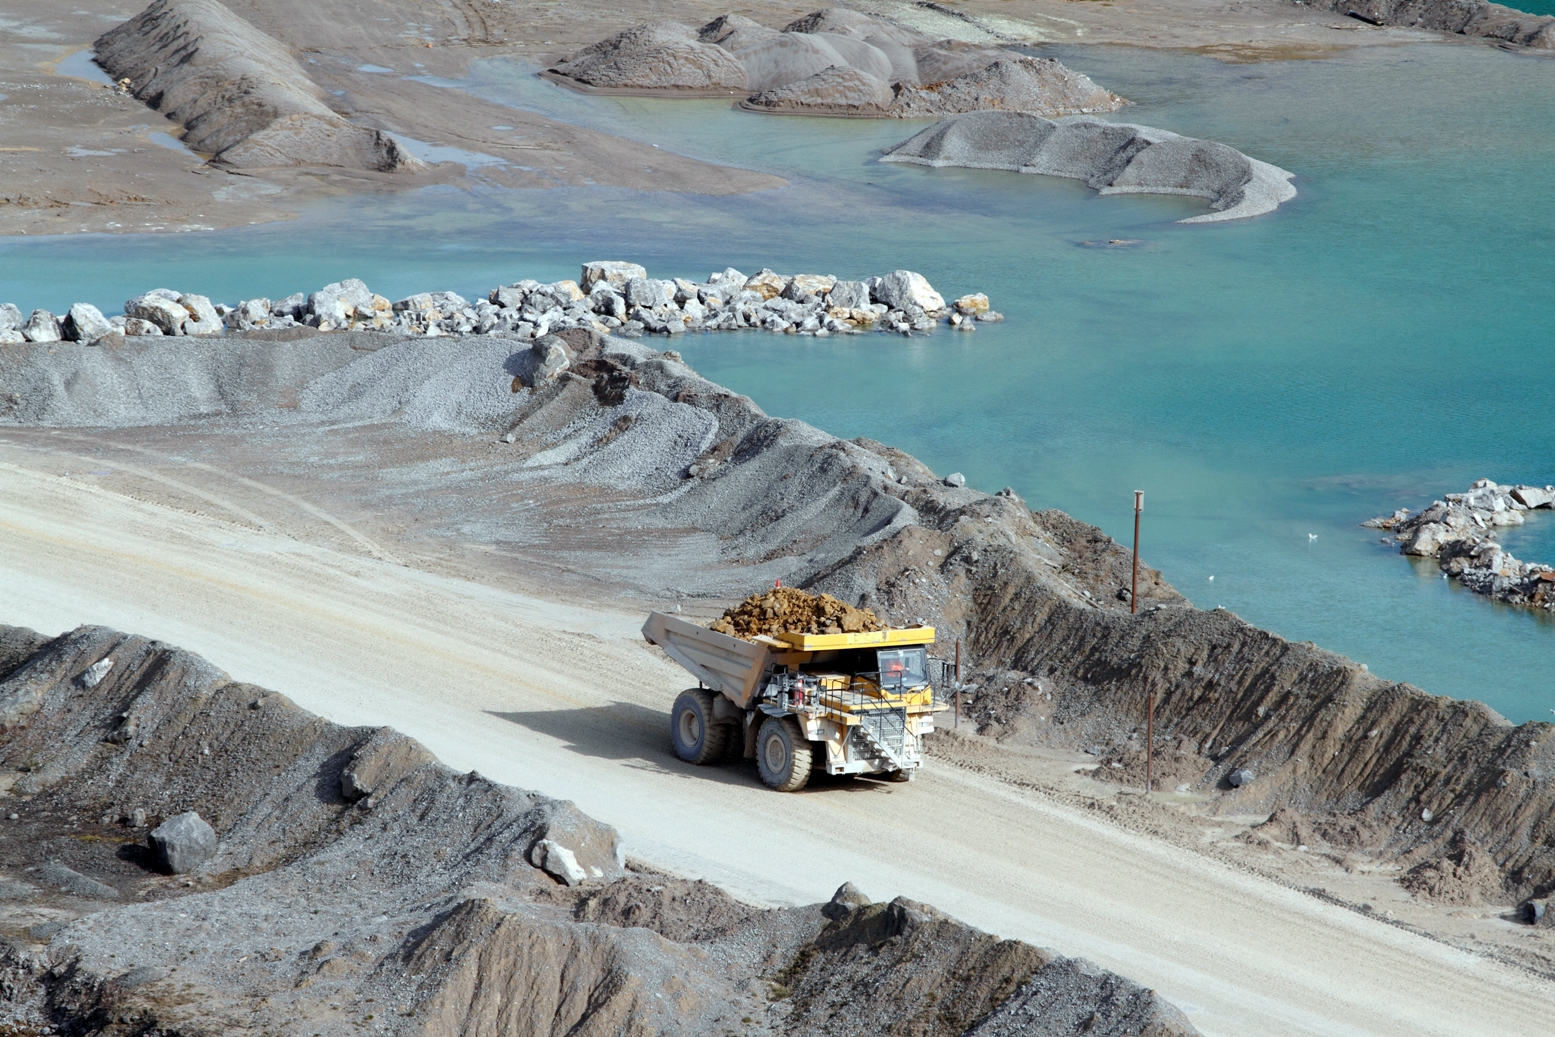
(557, 861)
(385, 758)
(901, 289)
(182, 843)
(546, 358)
(85, 323)
(612, 272)
(766, 284)
(801, 286)
(338, 303)
(1534, 496)
(161, 307)
(138, 327)
(649, 293)
(849, 295)
(42, 326)
(971, 305)
(203, 318)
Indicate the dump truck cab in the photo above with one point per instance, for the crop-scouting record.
(856, 703)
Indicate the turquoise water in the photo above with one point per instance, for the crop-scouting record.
(1381, 340)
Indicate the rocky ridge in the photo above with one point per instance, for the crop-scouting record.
(835, 61)
(1460, 533)
(357, 882)
(612, 298)
(1112, 158)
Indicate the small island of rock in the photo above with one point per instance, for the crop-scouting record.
(1113, 158)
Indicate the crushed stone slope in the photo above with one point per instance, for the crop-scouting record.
(358, 881)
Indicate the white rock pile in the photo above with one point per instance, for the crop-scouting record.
(610, 297)
(1459, 533)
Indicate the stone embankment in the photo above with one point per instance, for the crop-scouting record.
(1460, 533)
(330, 879)
(612, 298)
(832, 62)
(240, 95)
(1461, 17)
(1112, 158)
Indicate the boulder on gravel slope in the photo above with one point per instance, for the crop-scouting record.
(182, 843)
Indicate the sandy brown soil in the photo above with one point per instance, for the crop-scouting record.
(77, 156)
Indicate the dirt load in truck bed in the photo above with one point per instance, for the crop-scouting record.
(790, 610)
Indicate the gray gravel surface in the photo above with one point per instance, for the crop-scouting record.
(411, 906)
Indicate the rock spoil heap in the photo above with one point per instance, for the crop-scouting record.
(1113, 158)
(241, 96)
(794, 611)
(1460, 533)
(832, 62)
(612, 298)
(421, 901)
(1462, 17)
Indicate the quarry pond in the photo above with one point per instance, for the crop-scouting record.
(1379, 341)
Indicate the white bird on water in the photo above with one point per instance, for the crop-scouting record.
(1311, 536)
(1212, 577)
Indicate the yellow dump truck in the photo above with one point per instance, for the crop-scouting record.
(851, 703)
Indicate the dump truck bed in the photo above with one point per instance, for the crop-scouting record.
(866, 639)
(726, 664)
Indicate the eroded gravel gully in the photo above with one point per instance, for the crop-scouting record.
(1034, 595)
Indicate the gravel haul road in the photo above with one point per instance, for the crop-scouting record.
(570, 701)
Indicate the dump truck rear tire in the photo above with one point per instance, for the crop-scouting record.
(783, 755)
(697, 737)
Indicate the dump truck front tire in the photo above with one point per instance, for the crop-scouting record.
(783, 755)
(697, 737)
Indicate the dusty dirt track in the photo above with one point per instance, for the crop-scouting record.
(570, 701)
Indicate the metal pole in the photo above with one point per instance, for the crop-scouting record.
(1150, 744)
(1133, 594)
(958, 682)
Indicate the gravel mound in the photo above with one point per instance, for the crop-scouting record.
(837, 86)
(156, 381)
(788, 609)
(834, 62)
(240, 94)
(443, 383)
(1039, 85)
(656, 56)
(1113, 158)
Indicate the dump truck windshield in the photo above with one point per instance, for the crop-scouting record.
(903, 667)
